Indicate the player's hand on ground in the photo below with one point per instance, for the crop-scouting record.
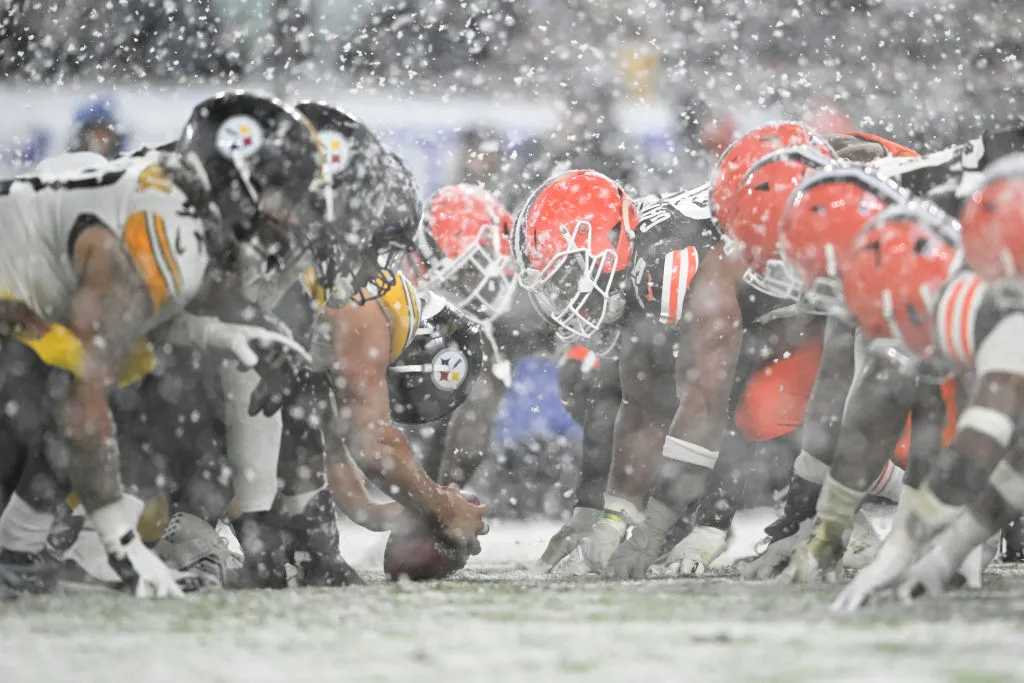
(894, 558)
(694, 554)
(635, 554)
(815, 561)
(142, 571)
(460, 520)
(568, 537)
(644, 544)
(595, 549)
(775, 557)
(929, 576)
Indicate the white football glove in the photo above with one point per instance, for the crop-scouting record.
(693, 554)
(863, 545)
(595, 549)
(568, 537)
(957, 550)
(244, 342)
(643, 546)
(137, 566)
(776, 556)
(919, 517)
(821, 558)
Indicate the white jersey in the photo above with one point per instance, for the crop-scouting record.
(41, 217)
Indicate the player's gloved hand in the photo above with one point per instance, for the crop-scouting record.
(929, 576)
(958, 555)
(863, 545)
(776, 557)
(139, 568)
(693, 554)
(918, 519)
(817, 560)
(643, 545)
(568, 537)
(250, 345)
(283, 378)
(460, 519)
(595, 549)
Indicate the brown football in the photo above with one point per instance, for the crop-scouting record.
(420, 555)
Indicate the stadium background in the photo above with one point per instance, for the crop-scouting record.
(504, 92)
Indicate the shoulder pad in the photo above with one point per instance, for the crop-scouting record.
(693, 203)
(956, 313)
(401, 306)
(167, 245)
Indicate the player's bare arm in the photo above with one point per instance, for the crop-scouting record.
(361, 343)
(352, 498)
(107, 314)
(711, 332)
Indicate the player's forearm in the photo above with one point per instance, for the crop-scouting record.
(985, 430)
(354, 501)
(823, 418)
(94, 462)
(638, 442)
(386, 457)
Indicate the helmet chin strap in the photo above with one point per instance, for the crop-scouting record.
(244, 172)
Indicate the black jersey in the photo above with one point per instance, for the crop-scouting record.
(674, 234)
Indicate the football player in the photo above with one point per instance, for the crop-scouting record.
(971, 320)
(786, 204)
(94, 260)
(592, 261)
(462, 254)
(354, 343)
(944, 177)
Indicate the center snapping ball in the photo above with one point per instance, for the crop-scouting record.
(419, 554)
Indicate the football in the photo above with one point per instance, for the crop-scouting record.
(419, 554)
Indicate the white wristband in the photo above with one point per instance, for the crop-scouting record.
(809, 468)
(112, 524)
(691, 453)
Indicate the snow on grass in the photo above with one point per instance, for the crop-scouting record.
(499, 623)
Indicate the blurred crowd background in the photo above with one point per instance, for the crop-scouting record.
(923, 72)
(926, 72)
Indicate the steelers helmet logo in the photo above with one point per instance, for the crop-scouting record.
(449, 369)
(240, 135)
(337, 151)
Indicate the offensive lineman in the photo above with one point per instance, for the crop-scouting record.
(92, 262)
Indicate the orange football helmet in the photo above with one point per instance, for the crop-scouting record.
(463, 250)
(824, 214)
(898, 264)
(757, 209)
(571, 242)
(993, 221)
(741, 155)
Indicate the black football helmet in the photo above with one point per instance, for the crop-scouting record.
(373, 195)
(260, 163)
(435, 373)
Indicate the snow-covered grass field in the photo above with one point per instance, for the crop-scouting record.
(496, 622)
